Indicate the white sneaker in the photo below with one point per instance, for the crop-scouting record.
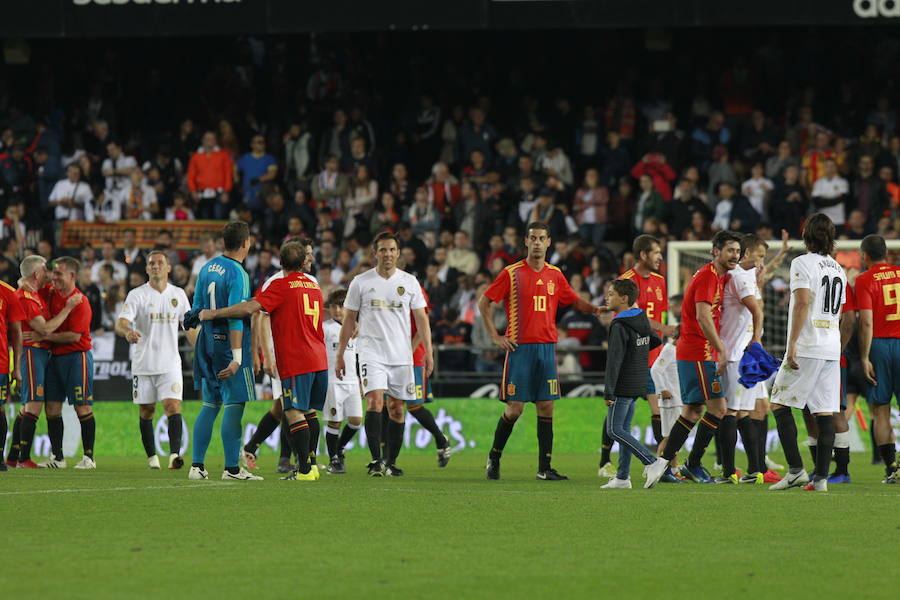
(52, 463)
(772, 465)
(817, 485)
(717, 467)
(198, 473)
(153, 462)
(87, 462)
(791, 480)
(607, 470)
(175, 462)
(616, 483)
(654, 471)
(242, 475)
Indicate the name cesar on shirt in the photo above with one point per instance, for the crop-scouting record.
(216, 269)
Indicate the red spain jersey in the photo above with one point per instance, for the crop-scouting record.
(532, 298)
(418, 351)
(294, 303)
(10, 312)
(706, 286)
(32, 306)
(78, 321)
(652, 299)
(878, 290)
(849, 305)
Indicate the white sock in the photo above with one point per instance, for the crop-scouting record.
(842, 440)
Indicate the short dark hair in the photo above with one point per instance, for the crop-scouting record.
(538, 225)
(643, 243)
(235, 234)
(71, 264)
(293, 255)
(157, 253)
(874, 246)
(627, 288)
(724, 237)
(336, 298)
(751, 241)
(385, 235)
(818, 234)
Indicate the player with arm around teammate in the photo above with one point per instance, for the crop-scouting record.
(150, 319)
(294, 303)
(11, 317)
(810, 375)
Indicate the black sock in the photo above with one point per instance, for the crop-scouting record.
(656, 424)
(706, 432)
(346, 435)
(146, 426)
(55, 432)
(841, 461)
(331, 440)
(176, 425)
(677, 437)
(718, 445)
(813, 449)
(383, 440)
(314, 432)
(4, 426)
(15, 446)
(395, 440)
(888, 454)
(825, 423)
(727, 441)
(426, 420)
(26, 433)
(298, 435)
(264, 429)
(607, 445)
(545, 442)
(876, 455)
(285, 442)
(787, 434)
(762, 439)
(501, 435)
(373, 433)
(748, 437)
(88, 433)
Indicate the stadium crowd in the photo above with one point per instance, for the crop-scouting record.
(331, 147)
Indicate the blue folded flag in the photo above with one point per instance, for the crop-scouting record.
(756, 365)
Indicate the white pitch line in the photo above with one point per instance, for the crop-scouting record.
(119, 489)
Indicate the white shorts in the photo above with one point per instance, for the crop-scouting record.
(815, 385)
(397, 380)
(736, 395)
(668, 415)
(342, 401)
(150, 389)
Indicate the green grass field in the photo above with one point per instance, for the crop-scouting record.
(124, 531)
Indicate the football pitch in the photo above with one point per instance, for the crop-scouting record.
(125, 531)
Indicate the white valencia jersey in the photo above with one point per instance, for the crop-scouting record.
(384, 307)
(157, 316)
(332, 331)
(737, 320)
(265, 285)
(826, 282)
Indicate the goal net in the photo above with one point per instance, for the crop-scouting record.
(684, 258)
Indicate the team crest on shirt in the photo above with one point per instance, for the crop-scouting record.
(401, 290)
(551, 288)
(659, 294)
(716, 387)
(174, 302)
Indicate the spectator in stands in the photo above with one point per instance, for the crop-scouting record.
(545, 211)
(719, 171)
(165, 173)
(813, 165)
(444, 191)
(868, 194)
(556, 163)
(680, 210)
(117, 167)
(461, 257)
(358, 156)
(253, 170)
(70, 196)
(179, 211)
(48, 170)
(130, 254)
(275, 218)
(331, 187)
(360, 202)
(385, 216)
(208, 251)
(615, 159)
(45, 249)
(760, 140)
(831, 192)
(856, 228)
(139, 198)
(775, 165)
(181, 276)
(108, 257)
(336, 141)
(475, 134)
(649, 203)
(210, 178)
(298, 157)
(735, 211)
(16, 170)
(891, 156)
(228, 139)
(586, 329)
(705, 139)
(654, 165)
(166, 243)
(789, 202)
(620, 115)
(757, 189)
(422, 216)
(886, 175)
(265, 268)
(401, 187)
(471, 215)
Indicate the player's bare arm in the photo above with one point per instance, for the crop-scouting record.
(123, 329)
(423, 327)
(708, 327)
(236, 338)
(486, 307)
(799, 317)
(769, 270)
(15, 336)
(348, 328)
(235, 311)
(756, 310)
(255, 335)
(44, 327)
(866, 327)
(192, 335)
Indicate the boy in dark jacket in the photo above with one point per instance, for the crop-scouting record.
(630, 341)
